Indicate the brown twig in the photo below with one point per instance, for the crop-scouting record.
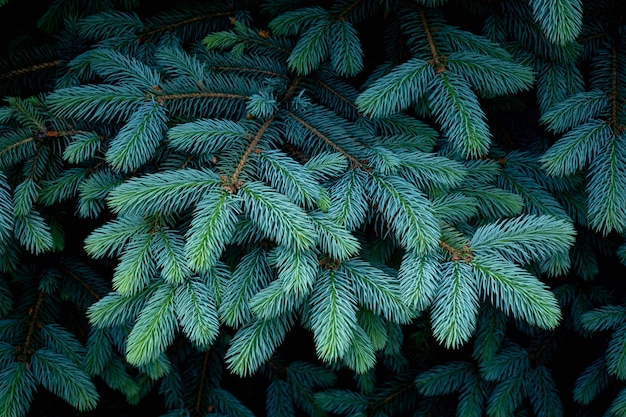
(32, 68)
(203, 370)
(356, 162)
(25, 350)
(437, 60)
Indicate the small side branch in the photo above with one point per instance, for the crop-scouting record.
(355, 162)
(614, 97)
(82, 283)
(437, 61)
(25, 350)
(32, 68)
(166, 97)
(375, 406)
(16, 145)
(245, 69)
(146, 36)
(337, 94)
(535, 358)
(464, 254)
(232, 184)
(344, 12)
(199, 394)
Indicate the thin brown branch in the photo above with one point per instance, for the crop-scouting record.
(356, 162)
(146, 36)
(336, 93)
(464, 254)
(268, 44)
(32, 68)
(16, 145)
(592, 37)
(389, 398)
(437, 60)
(351, 6)
(244, 69)
(614, 87)
(82, 283)
(25, 350)
(163, 98)
(535, 358)
(203, 371)
(232, 184)
(291, 90)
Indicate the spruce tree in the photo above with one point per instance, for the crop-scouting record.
(353, 208)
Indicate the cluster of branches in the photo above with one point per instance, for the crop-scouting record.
(427, 207)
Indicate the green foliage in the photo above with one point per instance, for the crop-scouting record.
(354, 208)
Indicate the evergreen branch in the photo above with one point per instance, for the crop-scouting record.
(437, 60)
(32, 68)
(356, 163)
(403, 86)
(64, 379)
(162, 192)
(454, 311)
(446, 379)
(407, 211)
(575, 110)
(515, 291)
(17, 389)
(593, 380)
(155, 328)
(561, 21)
(333, 307)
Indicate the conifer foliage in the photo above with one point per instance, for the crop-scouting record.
(354, 208)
